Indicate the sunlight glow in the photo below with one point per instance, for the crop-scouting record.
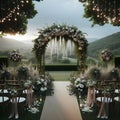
(22, 38)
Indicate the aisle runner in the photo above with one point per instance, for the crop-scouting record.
(61, 106)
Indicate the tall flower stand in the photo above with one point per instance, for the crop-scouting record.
(14, 108)
(29, 96)
(90, 96)
(29, 93)
(91, 93)
(104, 107)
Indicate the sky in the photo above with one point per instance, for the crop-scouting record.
(69, 12)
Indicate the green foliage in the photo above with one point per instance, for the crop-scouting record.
(102, 11)
(15, 15)
(60, 76)
(91, 61)
(23, 73)
(33, 60)
(4, 53)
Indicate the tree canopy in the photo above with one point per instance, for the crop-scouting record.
(102, 11)
(14, 15)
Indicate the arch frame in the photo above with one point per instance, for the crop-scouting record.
(66, 32)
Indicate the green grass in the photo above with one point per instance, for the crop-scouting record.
(60, 75)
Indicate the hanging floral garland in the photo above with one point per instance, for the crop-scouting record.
(63, 31)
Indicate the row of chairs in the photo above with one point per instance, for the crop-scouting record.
(7, 99)
(108, 98)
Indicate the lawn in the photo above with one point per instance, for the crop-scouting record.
(61, 75)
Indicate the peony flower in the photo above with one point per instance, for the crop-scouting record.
(38, 82)
(27, 84)
(33, 110)
(81, 85)
(42, 80)
(43, 89)
(91, 82)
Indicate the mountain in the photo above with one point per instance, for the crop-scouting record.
(91, 40)
(7, 44)
(11, 44)
(111, 42)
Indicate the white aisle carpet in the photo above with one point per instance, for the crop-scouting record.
(61, 105)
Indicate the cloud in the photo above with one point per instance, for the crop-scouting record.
(68, 12)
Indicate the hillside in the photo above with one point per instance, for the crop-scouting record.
(7, 44)
(111, 42)
(10, 44)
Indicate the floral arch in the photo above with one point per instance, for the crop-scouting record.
(63, 31)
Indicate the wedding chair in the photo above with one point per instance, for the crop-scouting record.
(4, 102)
(117, 99)
(104, 98)
(17, 99)
(17, 105)
(2, 86)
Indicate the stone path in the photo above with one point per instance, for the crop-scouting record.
(61, 106)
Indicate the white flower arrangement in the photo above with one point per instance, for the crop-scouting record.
(33, 110)
(91, 82)
(42, 84)
(36, 103)
(43, 89)
(38, 82)
(78, 83)
(35, 107)
(87, 109)
(42, 80)
(27, 83)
